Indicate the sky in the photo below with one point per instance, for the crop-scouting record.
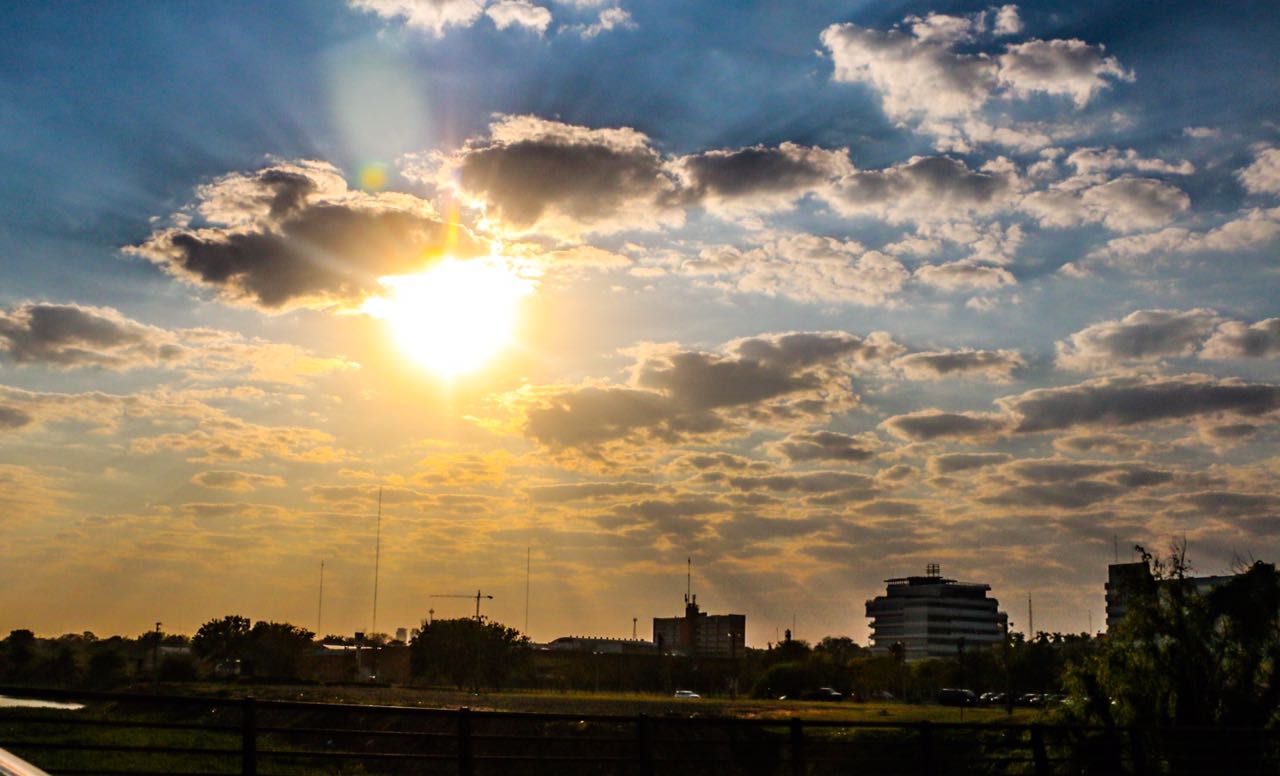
(808, 294)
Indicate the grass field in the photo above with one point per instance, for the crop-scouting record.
(620, 703)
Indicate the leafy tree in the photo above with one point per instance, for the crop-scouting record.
(106, 668)
(469, 652)
(20, 649)
(224, 639)
(1183, 657)
(277, 648)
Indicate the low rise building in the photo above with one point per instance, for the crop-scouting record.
(698, 634)
(1128, 581)
(934, 617)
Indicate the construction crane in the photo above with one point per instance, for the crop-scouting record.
(477, 596)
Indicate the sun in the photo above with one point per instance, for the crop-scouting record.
(454, 317)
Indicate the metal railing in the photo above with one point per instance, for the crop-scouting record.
(197, 736)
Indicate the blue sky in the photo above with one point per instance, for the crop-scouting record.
(808, 292)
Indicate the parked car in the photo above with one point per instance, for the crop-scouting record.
(950, 696)
(992, 698)
(1030, 699)
(823, 694)
(686, 694)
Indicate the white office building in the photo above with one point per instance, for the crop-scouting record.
(934, 617)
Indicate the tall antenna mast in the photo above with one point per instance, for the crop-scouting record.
(528, 554)
(320, 606)
(688, 578)
(377, 557)
(1031, 621)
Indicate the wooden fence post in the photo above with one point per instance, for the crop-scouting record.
(1135, 751)
(797, 748)
(1038, 754)
(249, 737)
(644, 745)
(466, 766)
(926, 748)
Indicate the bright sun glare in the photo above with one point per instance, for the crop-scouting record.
(453, 317)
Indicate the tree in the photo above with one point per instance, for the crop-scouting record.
(1182, 657)
(469, 652)
(225, 639)
(277, 648)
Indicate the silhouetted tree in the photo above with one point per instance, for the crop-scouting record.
(277, 647)
(224, 639)
(469, 652)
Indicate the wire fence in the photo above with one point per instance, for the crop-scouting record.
(197, 736)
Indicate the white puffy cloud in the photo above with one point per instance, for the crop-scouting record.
(1263, 175)
(434, 16)
(608, 19)
(1250, 230)
(520, 13)
(1066, 67)
(1092, 160)
(1122, 204)
(957, 275)
(1235, 339)
(808, 268)
(928, 188)
(1007, 21)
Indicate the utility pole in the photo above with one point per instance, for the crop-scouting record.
(155, 654)
(528, 554)
(320, 606)
(1031, 620)
(377, 557)
(634, 621)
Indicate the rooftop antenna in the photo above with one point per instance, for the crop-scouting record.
(528, 555)
(377, 557)
(477, 597)
(320, 606)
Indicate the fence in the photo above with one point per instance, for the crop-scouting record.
(198, 736)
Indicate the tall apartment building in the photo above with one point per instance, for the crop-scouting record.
(934, 617)
(698, 634)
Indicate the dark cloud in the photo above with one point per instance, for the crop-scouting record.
(1234, 339)
(1223, 503)
(932, 424)
(933, 365)
(926, 188)
(680, 394)
(828, 446)
(1060, 470)
(1071, 495)
(587, 490)
(949, 463)
(788, 170)
(69, 335)
(1129, 401)
(1110, 444)
(12, 417)
(293, 235)
(807, 482)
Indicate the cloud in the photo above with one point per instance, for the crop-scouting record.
(950, 463)
(1063, 67)
(828, 446)
(937, 365)
(12, 418)
(1088, 161)
(682, 394)
(924, 78)
(758, 177)
(293, 235)
(71, 335)
(1234, 339)
(235, 481)
(566, 179)
(430, 15)
(1263, 176)
(807, 268)
(1250, 230)
(1144, 336)
(520, 13)
(608, 19)
(1122, 204)
(928, 188)
(587, 491)
(808, 482)
(931, 424)
(1118, 445)
(1138, 400)
(964, 274)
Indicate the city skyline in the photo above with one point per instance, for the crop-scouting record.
(813, 295)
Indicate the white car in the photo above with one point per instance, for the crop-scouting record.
(687, 694)
(12, 765)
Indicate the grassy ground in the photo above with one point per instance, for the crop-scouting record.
(621, 704)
